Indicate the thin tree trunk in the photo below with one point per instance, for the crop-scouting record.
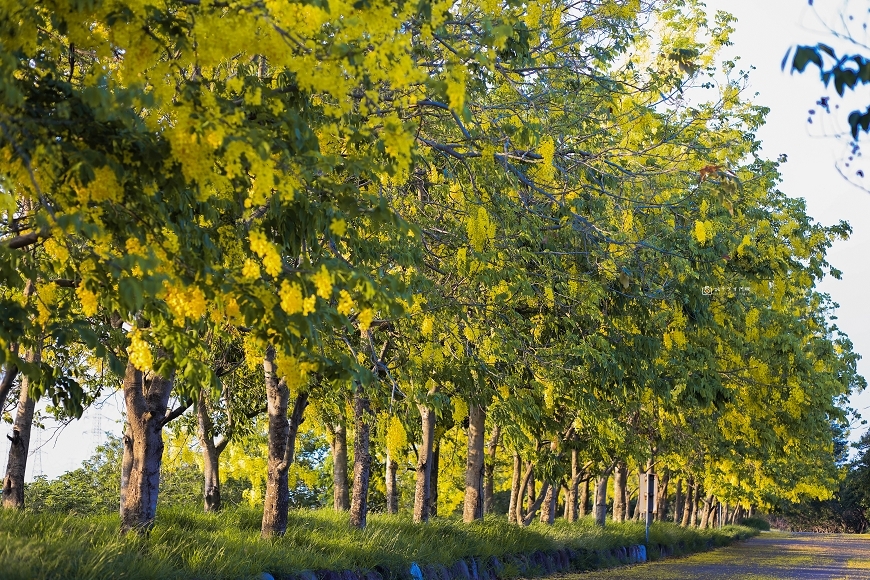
(8, 379)
(693, 518)
(705, 515)
(489, 469)
(548, 507)
(662, 499)
(392, 489)
(474, 465)
(584, 499)
(678, 502)
(521, 492)
(340, 495)
(572, 491)
(277, 501)
(515, 489)
(436, 461)
(13, 482)
(211, 489)
(620, 474)
(601, 498)
(689, 502)
(146, 399)
(423, 489)
(362, 459)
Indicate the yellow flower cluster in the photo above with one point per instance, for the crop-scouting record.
(291, 297)
(139, 352)
(267, 251)
(88, 300)
(185, 303)
(480, 228)
(546, 170)
(397, 438)
(704, 231)
(345, 303)
(251, 270)
(426, 326)
(323, 283)
(104, 187)
(365, 319)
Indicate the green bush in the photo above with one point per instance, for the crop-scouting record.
(756, 523)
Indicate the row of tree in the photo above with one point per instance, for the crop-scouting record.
(543, 226)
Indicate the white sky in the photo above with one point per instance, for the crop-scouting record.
(765, 31)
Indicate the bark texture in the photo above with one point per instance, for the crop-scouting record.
(662, 496)
(211, 491)
(362, 458)
(474, 465)
(601, 499)
(678, 502)
(689, 502)
(619, 480)
(422, 489)
(277, 500)
(584, 499)
(433, 491)
(515, 489)
(13, 482)
(489, 469)
(146, 398)
(392, 488)
(340, 494)
(548, 506)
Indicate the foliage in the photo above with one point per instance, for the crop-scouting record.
(756, 523)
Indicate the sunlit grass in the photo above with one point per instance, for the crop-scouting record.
(188, 544)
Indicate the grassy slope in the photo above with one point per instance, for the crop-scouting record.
(187, 544)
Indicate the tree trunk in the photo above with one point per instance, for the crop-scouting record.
(693, 518)
(13, 483)
(423, 489)
(474, 474)
(211, 490)
(340, 496)
(572, 490)
(515, 489)
(8, 379)
(146, 399)
(548, 507)
(678, 502)
(689, 502)
(662, 498)
(601, 498)
(436, 461)
(277, 500)
(489, 469)
(362, 458)
(620, 474)
(584, 499)
(392, 489)
(705, 515)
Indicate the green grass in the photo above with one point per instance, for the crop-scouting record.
(188, 544)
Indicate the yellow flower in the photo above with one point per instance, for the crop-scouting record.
(323, 282)
(139, 352)
(345, 303)
(291, 297)
(251, 270)
(338, 227)
(88, 300)
(426, 326)
(365, 319)
(308, 305)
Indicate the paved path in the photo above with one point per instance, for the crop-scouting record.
(769, 556)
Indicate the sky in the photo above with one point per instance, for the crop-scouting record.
(765, 30)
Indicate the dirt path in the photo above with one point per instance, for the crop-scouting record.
(769, 556)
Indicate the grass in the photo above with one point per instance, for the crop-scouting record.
(188, 544)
